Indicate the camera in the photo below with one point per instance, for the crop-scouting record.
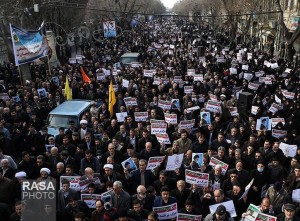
(107, 206)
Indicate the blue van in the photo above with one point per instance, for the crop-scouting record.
(67, 111)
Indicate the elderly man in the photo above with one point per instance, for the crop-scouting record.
(288, 213)
(8, 172)
(181, 193)
(120, 198)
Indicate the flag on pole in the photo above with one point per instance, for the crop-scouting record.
(111, 100)
(84, 76)
(28, 45)
(68, 90)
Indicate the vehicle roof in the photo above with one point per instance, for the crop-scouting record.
(71, 107)
(131, 54)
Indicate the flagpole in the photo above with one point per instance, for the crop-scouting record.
(21, 78)
(49, 69)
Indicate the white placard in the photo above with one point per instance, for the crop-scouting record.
(158, 128)
(166, 212)
(174, 162)
(229, 208)
(171, 118)
(121, 116)
(296, 196)
(154, 162)
(163, 138)
(140, 116)
(194, 177)
(288, 150)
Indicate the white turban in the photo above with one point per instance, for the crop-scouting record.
(110, 166)
(83, 122)
(20, 174)
(45, 170)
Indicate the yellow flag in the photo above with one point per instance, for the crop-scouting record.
(68, 90)
(111, 99)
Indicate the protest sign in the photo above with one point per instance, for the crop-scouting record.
(198, 77)
(166, 212)
(265, 217)
(174, 162)
(186, 124)
(121, 116)
(165, 105)
(171, 118)
(200, 158)
(194, 177)
(129, 164)
(275, 121)
(213, 162)
(90, 199)
(254, 110)
(288, 150)
(130, 101)
(73, 180)
(251, 213)
(279, 133)
(84, 183)
(163, 138)
(188, 89)
(228, 205)
(188, 217)
(213, 106)
(247, 188)
(148, 73)
(296, 196)
(158, 128)
(140, 116)
(154, 162)
(233, 111)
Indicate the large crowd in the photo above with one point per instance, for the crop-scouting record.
(262, 159)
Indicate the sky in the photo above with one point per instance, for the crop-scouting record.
(169, 3)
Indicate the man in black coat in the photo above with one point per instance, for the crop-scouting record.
(288, 213)
(181, 193)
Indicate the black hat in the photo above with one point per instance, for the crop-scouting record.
(289, 206)
(221, 210)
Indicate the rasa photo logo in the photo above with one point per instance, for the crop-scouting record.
(39, 197)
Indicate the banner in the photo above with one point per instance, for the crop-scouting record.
(174, 162)
(90, 199)
(194, 177)
(130, 101)
(84, 183)
(165, 105)
(233, 111)
(288, 95)
(213, 106)
(158, 128)
(228, 205)
(188, 217)
(171, 118)
(251, 213)
(265, 217)
(279, 133)
(288, 150)
(154, 162)
(73, 180)
(121, 116)
(188, 89)
(186, 124)
(213, 162)
(28, 45)
(109, 28)
(148, 73)
(166, 212)
(275, 121)
(163, 138)
(140, 116)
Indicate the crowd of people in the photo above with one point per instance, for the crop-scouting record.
(252, 151)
